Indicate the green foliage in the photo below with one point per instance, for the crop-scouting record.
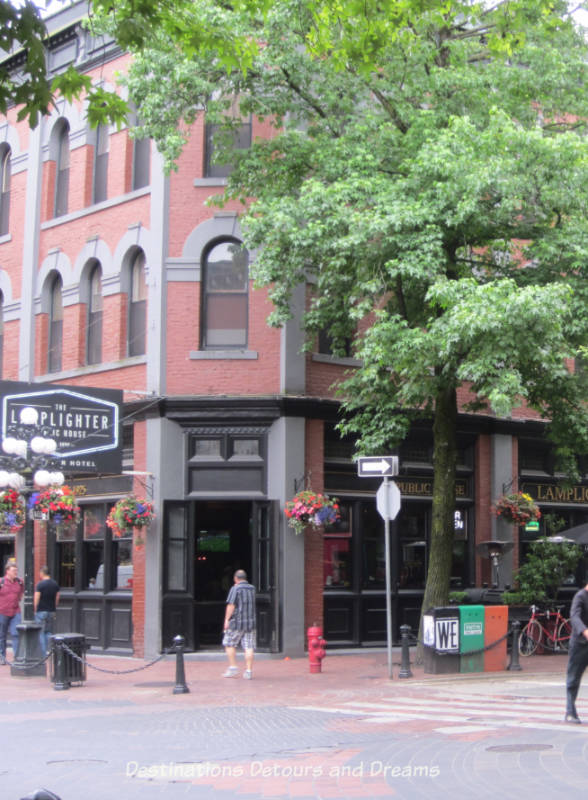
(428, 161)
(547, 566)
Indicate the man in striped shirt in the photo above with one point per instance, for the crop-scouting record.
(239, 626)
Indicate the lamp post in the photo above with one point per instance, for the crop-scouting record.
(28, 450)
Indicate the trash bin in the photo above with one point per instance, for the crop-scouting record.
(74, 670)
(471, 638)
(441, 640)
(495, 627)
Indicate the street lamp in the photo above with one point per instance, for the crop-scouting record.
(28, 451)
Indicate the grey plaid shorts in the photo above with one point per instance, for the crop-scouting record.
(245, 638)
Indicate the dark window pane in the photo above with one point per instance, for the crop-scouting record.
(101, 164)
(226, 321)
(94, 333)
(141, 162)
(123, 555)
(225, 298)
(62, 175)
(55, 328)
(5, 176)
(137, 307)
(241, 140)
(66, 559)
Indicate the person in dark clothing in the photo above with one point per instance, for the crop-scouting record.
(578, 655)
(11, 592)
(45, 602)
(239, 626)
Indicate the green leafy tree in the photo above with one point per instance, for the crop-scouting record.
(547, 566)
(27, 85)
(428, 172)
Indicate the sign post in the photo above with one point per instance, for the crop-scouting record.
(388, 505)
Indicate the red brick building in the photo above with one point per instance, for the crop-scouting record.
(113, 274)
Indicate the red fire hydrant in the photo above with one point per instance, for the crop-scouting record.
(316, 647)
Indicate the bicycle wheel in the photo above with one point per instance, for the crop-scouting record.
(564, 632)
(530, 638)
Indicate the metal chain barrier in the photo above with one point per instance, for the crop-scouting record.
(87, 663)
(30, 665)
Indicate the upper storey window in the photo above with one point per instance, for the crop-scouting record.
(5, 155)
(225, 296)
(62, 171)
(94, 329)
(137, 306)
(214, 167)
(55, 345)
(100, 187)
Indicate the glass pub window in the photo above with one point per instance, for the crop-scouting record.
(225, 296)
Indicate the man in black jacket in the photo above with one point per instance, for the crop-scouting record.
(578, 656)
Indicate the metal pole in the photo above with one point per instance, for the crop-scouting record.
(29, 658)
(181, 686)
(388, 590)
(405, 670)
(514, 647)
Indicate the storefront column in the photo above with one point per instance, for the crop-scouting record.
(286, 468)
(503, 480)
(165, 462)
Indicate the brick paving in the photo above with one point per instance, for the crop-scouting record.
(348, 732)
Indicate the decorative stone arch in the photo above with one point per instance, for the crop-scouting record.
(6, 287)
(56, 263)
(94, 250)
(221, 226)
(135, 239)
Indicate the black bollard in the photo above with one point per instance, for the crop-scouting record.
(405, 671)
(180, 687)
(514, 649)
(60, 682)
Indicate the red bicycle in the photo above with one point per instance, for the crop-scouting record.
(546, 629)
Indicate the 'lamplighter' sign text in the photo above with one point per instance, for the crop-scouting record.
(84, 423)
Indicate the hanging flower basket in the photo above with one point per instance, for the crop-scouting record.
(311, 509)
(518, 508)
(129, 513)
(12, 511)
(57, 504)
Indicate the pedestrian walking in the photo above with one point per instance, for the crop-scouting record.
(11, 592)
(578, 654)
(45, 602)
(239, 626)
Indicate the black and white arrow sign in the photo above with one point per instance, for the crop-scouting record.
(377, 466)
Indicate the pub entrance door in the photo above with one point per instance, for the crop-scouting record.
(205, 542)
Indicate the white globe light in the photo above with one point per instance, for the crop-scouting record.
(16, 481)
(21, 448)
(42, 477)
(29, 415)
(4, 478)
(9, 445)
(57, 478)
(38, 444)
(50, 446)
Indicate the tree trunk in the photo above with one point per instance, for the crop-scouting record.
(442, 528)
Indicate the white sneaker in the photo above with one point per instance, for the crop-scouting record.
(247, 675)
(232, 672)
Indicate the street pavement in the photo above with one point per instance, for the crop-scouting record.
(348, 732)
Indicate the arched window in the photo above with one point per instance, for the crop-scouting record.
(4, 190)
(225, 296)
(100, 190)
(62, 171)
(55, 344)
(94, 317)
(137, 306)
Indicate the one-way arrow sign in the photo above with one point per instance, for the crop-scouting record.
(383, 466)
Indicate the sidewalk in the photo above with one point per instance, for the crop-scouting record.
(276, 681)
